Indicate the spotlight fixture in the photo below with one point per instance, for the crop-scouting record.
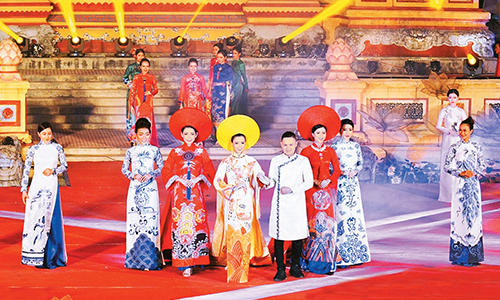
(75, 47)
(123, 46)
(435, 66)
(372, 66)
(283, 49)
(229, 44)
(179, 47)
(24, 46)
(473, 67)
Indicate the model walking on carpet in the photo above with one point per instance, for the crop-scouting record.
(465, 162)
(320, 124)
(221, 89)
(238, 240)
(144, 87)
(291, 175)
(448, 123)
(193, 92)
(43, 234)
(128, 77)
(239, 102)
(352, 240)
(143, 205)
(188, 172)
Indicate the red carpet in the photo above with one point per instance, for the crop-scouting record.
(96, 257)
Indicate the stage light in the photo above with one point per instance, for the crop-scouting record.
(283, 49)
(24, 45)
(123, 47)
(75, 46)
(179, 47)
(435, 66)
(372, 66)
(229, 44)
(472, 66)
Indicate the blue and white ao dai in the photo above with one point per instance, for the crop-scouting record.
(143, 207)
(466, 237)
(43, 234)
(352, 240)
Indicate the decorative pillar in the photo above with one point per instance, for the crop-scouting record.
(12, 93)
(340, 88)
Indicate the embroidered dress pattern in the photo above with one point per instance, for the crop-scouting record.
(466, 235)
(193, 92)
(352, 239)
(189, 229)
(320, 252)
(221, 92)
(143, 207)
(238, 239)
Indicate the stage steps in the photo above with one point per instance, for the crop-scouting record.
(88, 93)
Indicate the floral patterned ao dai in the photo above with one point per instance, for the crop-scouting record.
(320, 253)
(238, 240)
(352, 240)
(466, 237)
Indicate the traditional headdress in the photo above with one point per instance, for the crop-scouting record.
(316, 115)
(238, 124)
(190, 117)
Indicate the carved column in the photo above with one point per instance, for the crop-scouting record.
(340, 88)
(12, 93)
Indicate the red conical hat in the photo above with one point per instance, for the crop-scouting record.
(315, 115)
(238, 124)
(190, 117)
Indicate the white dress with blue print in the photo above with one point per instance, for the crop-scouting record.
(43, 207)
(352, 240)
(466, 236)
(143, 208)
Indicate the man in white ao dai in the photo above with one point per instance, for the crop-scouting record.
(291, 175)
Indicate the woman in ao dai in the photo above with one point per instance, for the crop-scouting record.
(187, 174)
(143, 205)
(238, 240)
(352, 241)
(448, 122)
(320, 252)
(465, 162)
(43, 234)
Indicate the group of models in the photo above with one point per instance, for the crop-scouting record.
(316, 208)
(303, 209)
(225, 94)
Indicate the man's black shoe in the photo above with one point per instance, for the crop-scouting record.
(295, 271)
(280, 275)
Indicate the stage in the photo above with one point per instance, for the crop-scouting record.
(408, 231)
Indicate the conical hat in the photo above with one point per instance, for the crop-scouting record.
(238, 124)
(316, 115)
(190, 117)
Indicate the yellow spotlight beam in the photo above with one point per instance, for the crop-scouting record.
(120, 17)
(194, 17)
(67, 11)
(331, 10)
(11, 33)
